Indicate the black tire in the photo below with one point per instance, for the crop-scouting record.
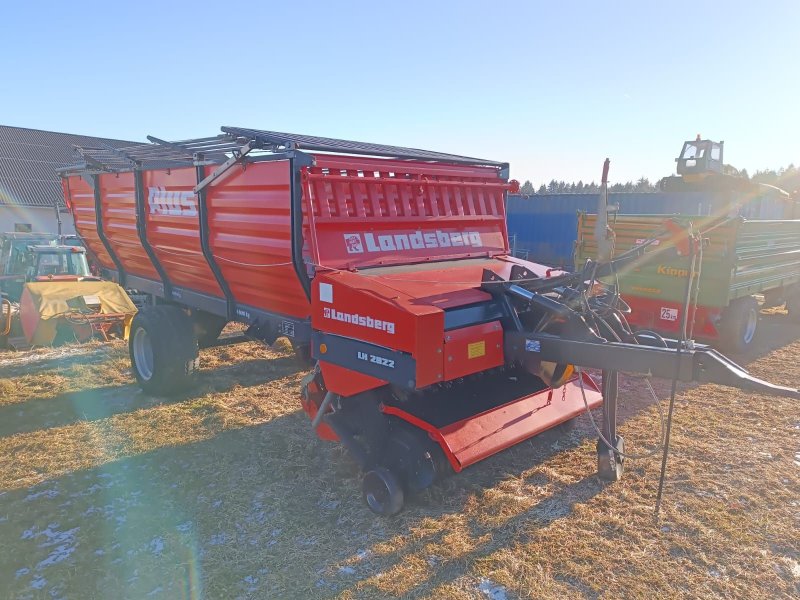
(162, 339)
(382, 492)
(739, 325)
(207, 328)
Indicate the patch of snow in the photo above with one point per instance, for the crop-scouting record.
(23, 571)
(251, 583)
(258, 517)
(216, 504)
(362, 554)
(38, 582)
(155, 592)
(793, 566)
(156, 545)
(492, 590)
(42, 494)
(184, 527)
(218, 539)
(60, 554)
(347, 570)
(41, 356)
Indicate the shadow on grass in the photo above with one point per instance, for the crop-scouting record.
(264, 511)
(105, 401)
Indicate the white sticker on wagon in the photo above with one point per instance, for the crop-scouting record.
(175, 203)
(326, 293)
(669, 314)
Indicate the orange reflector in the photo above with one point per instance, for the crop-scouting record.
(323, 348)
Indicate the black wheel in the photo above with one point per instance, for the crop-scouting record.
(382, 492)
(207, 328)
(739, 324)
(163, 350)
(610, 465)
(414, 457)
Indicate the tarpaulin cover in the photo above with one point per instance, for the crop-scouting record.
(42, 304)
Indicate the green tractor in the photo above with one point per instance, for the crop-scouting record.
(42, 262)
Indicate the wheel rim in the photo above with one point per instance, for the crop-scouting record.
(750, 326)
(377, 496)
(143, 354)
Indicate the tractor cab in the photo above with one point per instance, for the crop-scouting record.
(62, 263)
(700, 158)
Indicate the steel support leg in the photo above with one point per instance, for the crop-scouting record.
(609, 460)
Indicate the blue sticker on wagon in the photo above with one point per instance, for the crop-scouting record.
(533, 346)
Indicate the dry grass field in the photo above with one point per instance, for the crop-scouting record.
(107, 493)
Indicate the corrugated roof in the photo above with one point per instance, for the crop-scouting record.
(29, 159)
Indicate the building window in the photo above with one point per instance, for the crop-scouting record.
(23, 227)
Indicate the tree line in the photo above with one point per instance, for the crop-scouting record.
(562, 187)
(787, 178)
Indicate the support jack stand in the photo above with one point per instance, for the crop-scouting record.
(610, 461)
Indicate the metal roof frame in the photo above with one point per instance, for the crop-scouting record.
(229, 144)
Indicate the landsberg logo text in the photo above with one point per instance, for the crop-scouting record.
(171, 202)
(358, 243)
(357, 319)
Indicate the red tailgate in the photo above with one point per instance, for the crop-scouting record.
(367, 212)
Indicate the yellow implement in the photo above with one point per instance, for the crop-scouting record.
(88, 308)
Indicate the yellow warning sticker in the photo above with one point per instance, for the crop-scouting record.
(476, 349)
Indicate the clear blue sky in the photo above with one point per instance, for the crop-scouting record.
(552, 87)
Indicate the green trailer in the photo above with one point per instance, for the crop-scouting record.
(744, 263)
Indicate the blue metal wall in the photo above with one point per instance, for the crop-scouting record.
(543, 227)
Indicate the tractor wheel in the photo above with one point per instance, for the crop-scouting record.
(739, 324)
(163, 350)
(382, 492)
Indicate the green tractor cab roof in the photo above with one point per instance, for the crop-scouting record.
(700, 156)
(47, 249)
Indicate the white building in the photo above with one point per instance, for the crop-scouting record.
(30, 188)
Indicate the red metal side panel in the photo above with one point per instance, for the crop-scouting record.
(665, 317)
(472, 349)
(250, 231)
(173, 229)
(475, 438)
(367, 212)
(118, 206)
(80, 198)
